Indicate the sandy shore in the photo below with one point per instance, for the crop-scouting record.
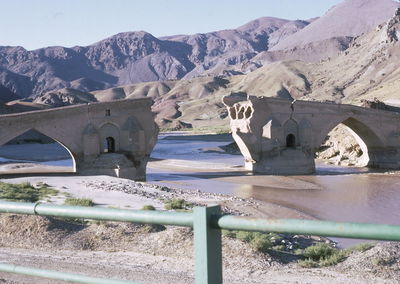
(119, 251)
(132, 252)
(123, 193)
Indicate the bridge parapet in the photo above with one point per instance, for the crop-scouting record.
(279, 136)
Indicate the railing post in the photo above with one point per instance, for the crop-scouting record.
(207, 246)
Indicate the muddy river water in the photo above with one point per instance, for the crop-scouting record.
(333, 193)
(198, 163)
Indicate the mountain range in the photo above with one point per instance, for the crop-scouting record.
(348, 54)
(135, 57)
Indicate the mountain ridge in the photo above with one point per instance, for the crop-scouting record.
(135, 57)
(369, 69)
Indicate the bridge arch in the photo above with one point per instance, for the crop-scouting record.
(56, 137)
(365, 136)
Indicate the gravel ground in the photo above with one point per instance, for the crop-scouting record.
(158, 254)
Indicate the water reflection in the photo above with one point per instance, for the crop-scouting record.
(348, 198)
(333, 193)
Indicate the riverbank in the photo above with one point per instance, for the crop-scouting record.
(335, 193)
(198, 172)
(154, 254)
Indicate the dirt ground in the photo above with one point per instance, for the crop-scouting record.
(158, 254)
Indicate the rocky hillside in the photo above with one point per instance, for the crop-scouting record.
(131, 57)
(368, 69)
(340, 21)
(135, 57)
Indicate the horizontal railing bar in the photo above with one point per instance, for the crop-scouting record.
(51, 274)
(309, 227)
(98, 213)
(291, 226)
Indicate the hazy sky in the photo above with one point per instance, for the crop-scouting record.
(40, 23)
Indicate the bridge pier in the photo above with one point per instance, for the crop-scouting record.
(285, 161)
(272, 158)
(384, 158)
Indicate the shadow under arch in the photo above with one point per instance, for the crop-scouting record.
(366, 137)
(52, 139)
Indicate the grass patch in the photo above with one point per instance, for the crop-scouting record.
(25, 192)
(318, 251)
(78, 202)
(67, 194)
(321, 255)
(335, 258)
(148, 207)
(259, 241)
(177, 204)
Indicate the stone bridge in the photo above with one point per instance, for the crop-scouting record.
(278, 136)
(112, 138)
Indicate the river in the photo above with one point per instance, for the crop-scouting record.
(333, 193)
(196, 162)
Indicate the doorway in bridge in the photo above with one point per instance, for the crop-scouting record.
(343, 147)
(109, 145)
(34, 152)
(290, 141)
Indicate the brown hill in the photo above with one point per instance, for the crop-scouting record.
(133, 57)
(368, 69)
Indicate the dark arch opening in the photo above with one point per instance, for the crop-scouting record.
(109, 146)
(290, 141)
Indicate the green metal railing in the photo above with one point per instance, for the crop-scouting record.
(206, 222)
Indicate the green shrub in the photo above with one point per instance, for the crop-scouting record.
(257, 240)
(177, 204)
(26, 184)
(318, 251)
(245, 236)
(261, 242)
(25, 192)
(78, 202)
(148, 207)
(321, 255)
(335, 258)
